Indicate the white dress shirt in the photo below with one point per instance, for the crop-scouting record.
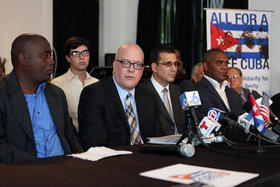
(159, 89)
(72, 87)
(219, 89)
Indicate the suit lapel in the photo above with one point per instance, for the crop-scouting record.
(213, 90)
(115, 98)
(18, 104)
(56, 113)
(229, 95)
(162, 109)
(174, 101)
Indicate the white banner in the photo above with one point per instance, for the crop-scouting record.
(244, 36)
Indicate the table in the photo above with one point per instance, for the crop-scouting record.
(124, 170)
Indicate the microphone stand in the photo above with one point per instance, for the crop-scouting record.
(259, 148)
(188, 132)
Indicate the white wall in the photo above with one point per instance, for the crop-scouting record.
(117, 25)
(21, 16)
(273, 5)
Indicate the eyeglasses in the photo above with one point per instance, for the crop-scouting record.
(77, 54)
(128, 63)
(233, 76)
(169, 64)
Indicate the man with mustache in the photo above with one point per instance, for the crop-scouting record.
(164, 66)
(213, 88)
(34, 120)
(116, 111)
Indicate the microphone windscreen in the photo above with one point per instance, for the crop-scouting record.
(187, 150)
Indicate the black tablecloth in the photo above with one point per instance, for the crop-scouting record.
(124, 170)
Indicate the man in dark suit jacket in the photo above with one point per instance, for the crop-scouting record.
(235, 79)
(164, 65)
(103, 117)
(213, 88)
(27, 101)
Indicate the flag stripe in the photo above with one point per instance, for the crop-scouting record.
(244, 55)
(241, 27)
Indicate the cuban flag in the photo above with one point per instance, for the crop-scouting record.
(240, 41)
(258, 119)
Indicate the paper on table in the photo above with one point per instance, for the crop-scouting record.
(97, 153)
(171, 139)
(188, 174)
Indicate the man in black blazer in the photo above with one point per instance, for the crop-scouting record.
(102, 111)
(235, 79)
(213, 88)
(34, 119)
(164, 65)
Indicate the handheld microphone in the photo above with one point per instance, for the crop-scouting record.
(221, 117)
(189, 100)
(273, 116)
(186, 150)
(208, 125)
(246, 122)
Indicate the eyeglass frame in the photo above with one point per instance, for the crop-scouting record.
(169, 64)
(126, 61)
(233, 76)
(85, 53)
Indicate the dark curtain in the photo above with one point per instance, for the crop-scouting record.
(75, 18)
(148, 26)
(237, 4)
(185, 29)
(187, 32)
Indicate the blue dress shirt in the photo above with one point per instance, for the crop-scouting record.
(46, 139)
(123, 93)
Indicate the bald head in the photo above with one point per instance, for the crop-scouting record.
(22, 45)
(130, 49)
(128, 77)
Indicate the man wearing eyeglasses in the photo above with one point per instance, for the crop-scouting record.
(77, 54)
(235, 79)
(116, 111)
(164, 65)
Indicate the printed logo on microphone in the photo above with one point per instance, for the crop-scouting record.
(214, 114)
(207, 125)
(190, 99)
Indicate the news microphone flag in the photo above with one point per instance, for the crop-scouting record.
(264, 109)
(207, 125)
(189, 99)
(258, 119)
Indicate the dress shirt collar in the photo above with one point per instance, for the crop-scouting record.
(122, 92)
(216, 84)
(157, 86)
(70, 75)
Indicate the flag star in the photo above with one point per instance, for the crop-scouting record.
(255, 108)
(220, 40)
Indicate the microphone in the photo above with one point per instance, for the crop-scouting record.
(273, 116)
(246, 122)
(221, 117)
(189, 100)
(186, 150)
(208, 125)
